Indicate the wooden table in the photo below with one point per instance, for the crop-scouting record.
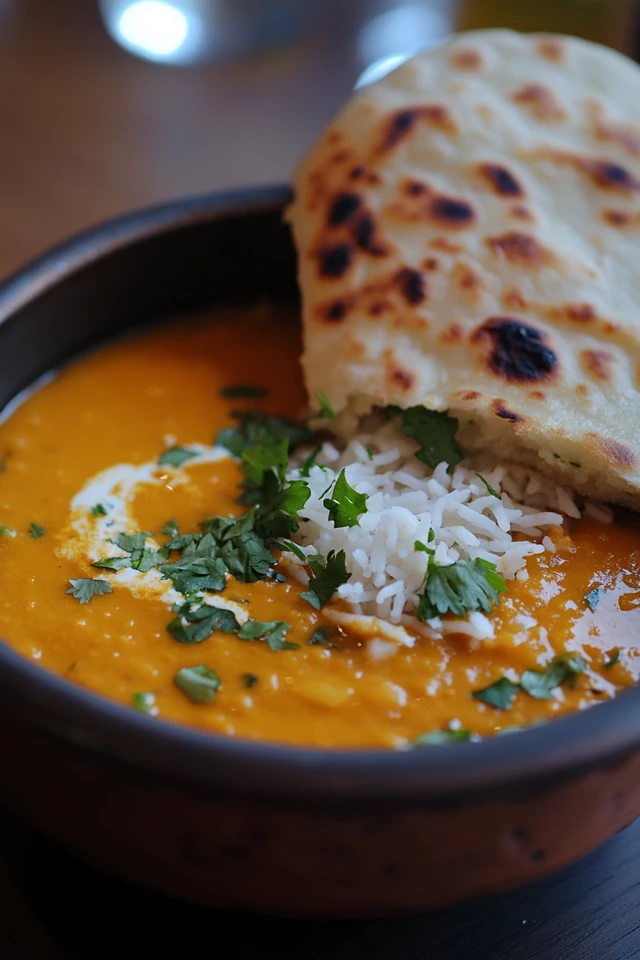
(87, 133)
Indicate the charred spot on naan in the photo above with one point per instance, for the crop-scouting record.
(607, 174)
(599, 363)
(541, 102)
(551, 48)
(451, 213)
(467, 59)
(616, 453)
(400, 124)
(343, 208)
(468, 281)
(418, 203)
(514, 300)
(518, 352)
(500, 410)
(334, 260)
(575, 312)
(412, 284)
(504, 183)
(522, 249)
(625, 135)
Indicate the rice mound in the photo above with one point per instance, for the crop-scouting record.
(407, 500)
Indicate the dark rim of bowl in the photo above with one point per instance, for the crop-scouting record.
(599, 737)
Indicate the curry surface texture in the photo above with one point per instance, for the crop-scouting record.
(119, 406)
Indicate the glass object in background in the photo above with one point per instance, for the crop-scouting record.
(611, 22)
(191, 31)
(396, 31)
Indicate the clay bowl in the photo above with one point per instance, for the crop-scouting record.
(239, 824)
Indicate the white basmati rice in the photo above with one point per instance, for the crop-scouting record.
(406, 501)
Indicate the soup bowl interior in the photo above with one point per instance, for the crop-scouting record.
(242, 824)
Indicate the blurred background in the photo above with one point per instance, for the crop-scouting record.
(108, 105)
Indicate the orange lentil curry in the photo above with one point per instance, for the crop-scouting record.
(178, 385)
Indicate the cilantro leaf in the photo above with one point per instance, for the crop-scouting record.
(326, 411)
(245, 391)
(345, 505)
(112, 563)
(321, 638)
(459, 588)
(144, 560)
(199, 684)
(99, 510)
(438, 738)
(293, 548)
(271, 631)
(84, 589)
(195, 624)
(246, 557)
(310, 462)
(129, 542)
(36, 531)
(563, 667)
(434, 433)
(592, 599)
(257, 426)
(176, 456)
(6, 532)
(193, 573)
(143, 702)
(490, 489)
(421, 547)
(499, 694)
(250, 680)
(613, 659)
(170, 528)
(327, 576)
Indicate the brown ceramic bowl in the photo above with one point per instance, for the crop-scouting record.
(240, 824)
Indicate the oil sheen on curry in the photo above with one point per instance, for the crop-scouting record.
(184, 533)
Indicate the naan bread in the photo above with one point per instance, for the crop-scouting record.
(468, 232)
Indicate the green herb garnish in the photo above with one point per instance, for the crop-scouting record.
(112, 563)
(170, 528)
(36, 531)
(322, 638)
(460, 588)
(613, 659)
(421, 547)
(434, 433)
(250, 680)
(193, 624)
(592, 599)
(310, 462)
(439, 738)
(540, 685)
(176, 456)
(345, 505)
(327, 576)
(326, 411)
(293, 548)
(199, 684)
(499, 694)
(84, 589)
(6, 532)
(143, 701)
(256, 427)
(272, 632)
(99, 510)
(245, 391)
(490, 489)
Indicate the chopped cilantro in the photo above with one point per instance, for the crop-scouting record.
(112, 563)
(170, 528)
(321, 638)
(175, 456)
(499, 694)
(250, 680)
(293, 548)
(195, 624)
(272, 632)
(6, 532)
(199, 684)
(438, 738)
(130, 542)
(326, 411)
(613, 659)
(421, 547)
(490, 489)
(460, 588)
(345, 505)
(431, 535)
(434, 433)
(143, 701)
(327, 576)
(592, 599)
(193, 573)
(99, 510)
(245, 391)
(84, 589)
(370, 453)
(310, 462)
(36, 531)
(563, 667)
(256, 426)
(246, 557)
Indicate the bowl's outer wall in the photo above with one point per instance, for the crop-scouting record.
(182, 830)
